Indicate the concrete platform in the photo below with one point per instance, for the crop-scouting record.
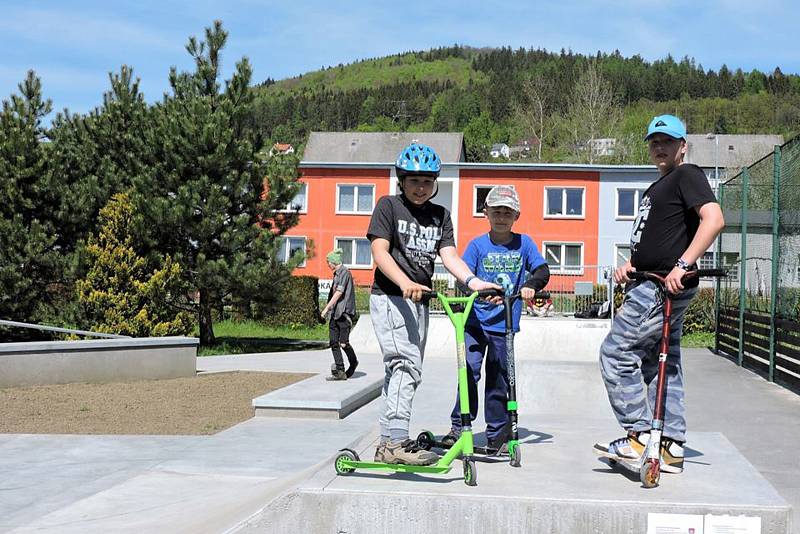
(318, 397)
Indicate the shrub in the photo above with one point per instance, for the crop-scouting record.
(701, 315)
(298, 304)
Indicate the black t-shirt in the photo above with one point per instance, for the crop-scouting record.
(415, 235)
(667, 220)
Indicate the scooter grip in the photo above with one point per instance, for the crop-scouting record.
(490, 293)
(430, 294)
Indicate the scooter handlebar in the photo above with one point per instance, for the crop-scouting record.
(660, 275)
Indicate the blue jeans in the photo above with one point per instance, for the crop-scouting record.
(495, 412)
(629, 360)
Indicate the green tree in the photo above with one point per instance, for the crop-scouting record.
(30, 263)
(118, 295)
(205, 203)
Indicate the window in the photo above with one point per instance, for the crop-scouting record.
(797, 270)
(706, 261)
(564, 258)
(563, 202)
(356, 252)
(290, 246)
(628, 203)
(730, 262)
(479, 197)
(299, 203)
(355, 198)
(622, 253)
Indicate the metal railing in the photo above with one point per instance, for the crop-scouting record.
(60, 330)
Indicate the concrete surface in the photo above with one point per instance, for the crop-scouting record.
(96, 360)
(743, 430)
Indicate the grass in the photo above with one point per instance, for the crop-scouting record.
(251, 337)
(698, 340)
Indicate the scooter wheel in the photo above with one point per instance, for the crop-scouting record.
(426, 440)
(470, 475)
(516, 457)
(342, 459)
(650, 473)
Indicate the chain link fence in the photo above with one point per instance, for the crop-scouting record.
(758, 304)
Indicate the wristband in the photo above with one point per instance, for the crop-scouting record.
(683, 264)
(469, 279)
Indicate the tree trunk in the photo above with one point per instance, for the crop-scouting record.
(206, 328)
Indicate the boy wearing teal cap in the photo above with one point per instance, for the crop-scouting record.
(342, 307)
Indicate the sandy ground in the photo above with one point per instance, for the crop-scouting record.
(204, 404)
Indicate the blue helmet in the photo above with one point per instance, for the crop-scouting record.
(417, 158)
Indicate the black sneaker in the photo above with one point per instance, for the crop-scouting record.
(351, 369)
(337, 373)
(497, 446)
(450, 439)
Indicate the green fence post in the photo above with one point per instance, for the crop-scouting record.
(773, 306)
(718, 281)
(743, 261)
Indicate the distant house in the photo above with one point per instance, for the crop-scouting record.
(603, 146)
(281, 148)
(523, 147)
(500, 150)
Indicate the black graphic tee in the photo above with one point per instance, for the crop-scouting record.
(415, 235)
(667, 220)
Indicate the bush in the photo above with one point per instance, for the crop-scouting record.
(298, 304)
(701, 315)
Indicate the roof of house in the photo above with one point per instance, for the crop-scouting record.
(499, 146)
(282, 146)
(746, 149)
(379, 147)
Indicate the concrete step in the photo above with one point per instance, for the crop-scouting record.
(561, 487)
(318, 397)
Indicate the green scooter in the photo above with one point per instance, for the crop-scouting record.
(427, 440)
(348, 461)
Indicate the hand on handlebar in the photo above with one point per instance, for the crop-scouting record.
(527, 293)
(621, 274)
(674, 280)
(413, 291)
(476, 284)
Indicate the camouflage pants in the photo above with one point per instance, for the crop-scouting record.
(629, 360)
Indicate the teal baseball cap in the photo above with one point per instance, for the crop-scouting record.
(666, 124)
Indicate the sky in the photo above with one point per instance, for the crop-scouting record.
(73, 45)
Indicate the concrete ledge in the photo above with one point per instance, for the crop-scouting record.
(318, 397)
(102, 360)
(559, 488)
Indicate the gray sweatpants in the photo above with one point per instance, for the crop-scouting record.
(401, 327)
(629, 361)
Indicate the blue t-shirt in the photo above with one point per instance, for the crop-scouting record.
(488, 261)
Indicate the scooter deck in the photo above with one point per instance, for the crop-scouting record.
(400, 468)
(615, 461)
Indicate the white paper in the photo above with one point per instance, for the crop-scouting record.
(732, 524)
(675, 524)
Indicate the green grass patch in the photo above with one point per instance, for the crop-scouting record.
(248, 337)
(698, 340)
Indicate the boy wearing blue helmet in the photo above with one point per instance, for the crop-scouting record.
(678, 220)
(407, 231)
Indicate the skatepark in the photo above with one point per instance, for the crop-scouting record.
(274, 472)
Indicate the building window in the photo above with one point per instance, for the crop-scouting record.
(300, 201)
(355, 198)
(563, 202)
(564, 258)
(622, 255)
(628, 201)
(797, 270)
(706, 261)
(290, 247)
(730, 262)
(356, 252)
(479, 198)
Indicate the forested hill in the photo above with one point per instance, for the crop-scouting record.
(503, 95)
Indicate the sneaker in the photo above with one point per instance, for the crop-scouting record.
(408, 453)
(671, 456)
(497, 446)
(380, 453)
(629, 448)
(450, 439)
(351, 369)
(337, 373)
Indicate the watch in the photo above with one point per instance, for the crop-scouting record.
(683, 264)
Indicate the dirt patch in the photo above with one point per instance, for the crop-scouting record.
(203, 404)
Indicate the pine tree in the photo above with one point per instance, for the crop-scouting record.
(118, 294)
(205, 204)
